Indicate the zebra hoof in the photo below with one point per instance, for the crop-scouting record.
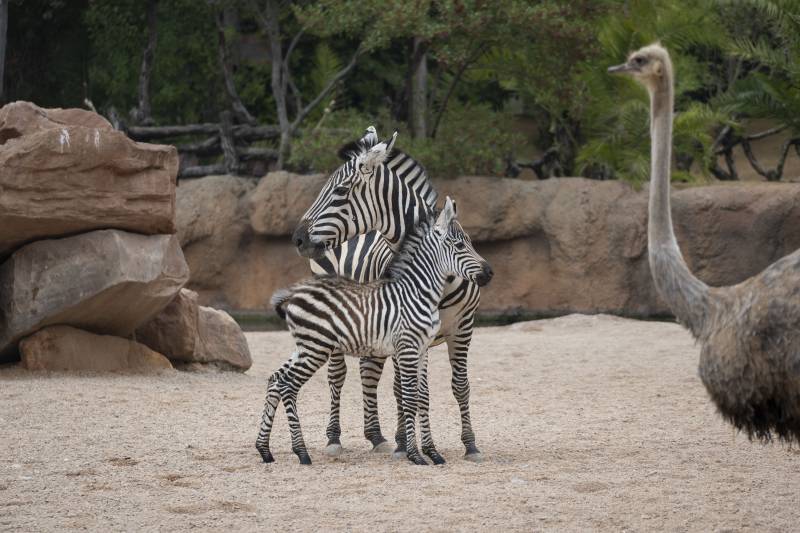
(305, 459)
(435, 457)
(384, 447)
(418, 460)
(399, 455)
(475, 457)
(266, 457)
(334, 450)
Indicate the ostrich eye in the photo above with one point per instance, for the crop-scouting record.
(639, 60)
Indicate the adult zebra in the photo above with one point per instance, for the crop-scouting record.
(397, 316)
(377, 189)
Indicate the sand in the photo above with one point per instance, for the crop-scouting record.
(594, 423)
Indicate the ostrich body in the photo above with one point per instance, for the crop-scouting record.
(749, 333)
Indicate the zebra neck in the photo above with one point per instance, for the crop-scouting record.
(396, 229)
(426, 279)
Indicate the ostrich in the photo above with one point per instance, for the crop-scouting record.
(749, 333)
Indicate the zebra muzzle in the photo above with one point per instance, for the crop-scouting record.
(485, 276)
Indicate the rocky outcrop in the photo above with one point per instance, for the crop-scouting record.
(232, 266)
(280, 200)
(106, 281)
(557, 246)
(66, 171)
(187, 333)
(221, 341)
(212, 222)
(173, 331)
(63, 348)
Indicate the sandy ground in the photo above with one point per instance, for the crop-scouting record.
(586, 423)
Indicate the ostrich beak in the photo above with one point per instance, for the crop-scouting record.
(620, 69)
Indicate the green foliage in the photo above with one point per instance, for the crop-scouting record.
(473, 140)
(615, 119)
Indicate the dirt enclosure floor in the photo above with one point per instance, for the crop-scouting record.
(586, 423)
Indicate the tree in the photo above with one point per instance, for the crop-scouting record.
(3, 35)
(270, 19)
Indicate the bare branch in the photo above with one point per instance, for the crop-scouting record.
(302, 113)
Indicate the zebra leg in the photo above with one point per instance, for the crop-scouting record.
(400, 431)
(371, 370)
(268, 416)
(303, 367)
(458, 347)
(409, 368)
(428, 448)
(337, 371)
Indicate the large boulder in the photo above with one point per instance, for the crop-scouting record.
(173, 331)
(232, 266)
(280, 200)
(221, 341)
(105, 281)
(63, 348)
(66, 171)
(211, 223)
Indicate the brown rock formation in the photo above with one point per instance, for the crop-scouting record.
(221, 341)
(63, 348)
(173, 331)
(65, 171)
(105, 281)
(556, 246)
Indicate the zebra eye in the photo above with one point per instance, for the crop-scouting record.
(460, 245)
(341, 190)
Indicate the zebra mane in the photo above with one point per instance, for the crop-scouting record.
(406, 167)
(409, 245)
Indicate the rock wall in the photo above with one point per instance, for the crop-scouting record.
(557, 246)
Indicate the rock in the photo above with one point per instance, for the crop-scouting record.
(192, 335)
(66, 171)
(221, 341)
(557, 246)
(105, 281)
(173, 331)
(211, 223)
(63, 348)
(280, 200)
(22, 118)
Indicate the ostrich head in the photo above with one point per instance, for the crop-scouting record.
(650, 66)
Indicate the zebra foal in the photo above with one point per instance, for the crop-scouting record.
(396, 316)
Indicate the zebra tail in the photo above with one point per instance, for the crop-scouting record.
(279, 299)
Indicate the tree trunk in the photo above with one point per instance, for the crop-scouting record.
(419, 89)
(3, 32)
(272, 28)
(144, 112)
(237, 105)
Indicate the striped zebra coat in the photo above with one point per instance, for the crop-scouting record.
(396, 316)
(380, 191)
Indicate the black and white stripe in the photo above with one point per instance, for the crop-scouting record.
(394, 195)
(396, 316)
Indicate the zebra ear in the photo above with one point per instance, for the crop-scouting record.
(378, 154)
(446, 216)
(360, 146)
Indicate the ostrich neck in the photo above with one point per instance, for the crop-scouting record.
(685, 295)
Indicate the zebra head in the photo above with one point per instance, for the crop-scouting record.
(362, 195)
(459, 256)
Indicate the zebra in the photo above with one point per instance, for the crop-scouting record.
(364, 258)
(364, 195)
(396, 316)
